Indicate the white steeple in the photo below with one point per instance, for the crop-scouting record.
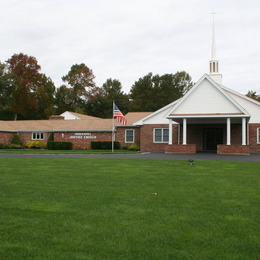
(213, 64)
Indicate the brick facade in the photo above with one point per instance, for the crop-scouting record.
(233, 149)
(120, 135)
(146, 137)
(5, 138)
(82, 139)
(180, 148)
(254, 146)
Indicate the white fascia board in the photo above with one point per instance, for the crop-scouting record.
(56, 130)
(208, 116)
(240, 95)
(141, 121)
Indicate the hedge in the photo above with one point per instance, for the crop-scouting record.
(59, 145)
(104, 145)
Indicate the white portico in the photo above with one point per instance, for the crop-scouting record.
(208, 116)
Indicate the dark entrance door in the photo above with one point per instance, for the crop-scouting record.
(211, 138)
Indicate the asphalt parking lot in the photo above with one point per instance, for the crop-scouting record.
(147, 155)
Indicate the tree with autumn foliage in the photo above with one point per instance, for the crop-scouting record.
(25, 93)
(25, 70)
(81, 85)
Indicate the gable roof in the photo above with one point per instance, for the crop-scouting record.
(207, 99)
(162, 112)
(132, 117)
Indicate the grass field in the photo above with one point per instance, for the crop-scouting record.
(104, 209)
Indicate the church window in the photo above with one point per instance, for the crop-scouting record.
(37, 136)
(129, 136)
(161, 135)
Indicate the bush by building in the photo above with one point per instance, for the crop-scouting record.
(104, 145)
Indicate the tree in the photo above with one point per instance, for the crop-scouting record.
(64, 99)
(252, 94)
(25, 72)
(153, 92)
(81, 81)
(45, 94)
(101, 104)
(7, 86)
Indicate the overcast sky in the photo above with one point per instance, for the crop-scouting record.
(126, 39)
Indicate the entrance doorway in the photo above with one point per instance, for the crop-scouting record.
(211, 138)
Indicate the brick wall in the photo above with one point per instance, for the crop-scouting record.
(120, 135)
(5, 138)
(146, 138)
(82, 139)
(233, 149)
(180, 148)
(254, 146)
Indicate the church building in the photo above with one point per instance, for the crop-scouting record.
(208, 118)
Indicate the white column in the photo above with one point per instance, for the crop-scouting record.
(228, 131)
(184, 134)
(243, 131)
(170, 131)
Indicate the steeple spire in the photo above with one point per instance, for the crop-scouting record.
(213, 64)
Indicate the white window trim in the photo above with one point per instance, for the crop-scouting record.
(258, 135)
(162, 142)
(38, 133)
(133, 136)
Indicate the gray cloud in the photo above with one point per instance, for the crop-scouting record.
(126, 39)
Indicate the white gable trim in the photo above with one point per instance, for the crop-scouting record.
(141, 121)
(240, 95)
(206, 76)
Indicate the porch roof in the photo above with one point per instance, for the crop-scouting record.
(208, 118)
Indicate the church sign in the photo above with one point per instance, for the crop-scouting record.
(82, 136)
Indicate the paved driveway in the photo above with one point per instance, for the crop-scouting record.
(152, 155)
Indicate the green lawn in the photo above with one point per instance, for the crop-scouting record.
(73, 208)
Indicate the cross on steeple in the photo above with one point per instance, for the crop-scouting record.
(213, 64)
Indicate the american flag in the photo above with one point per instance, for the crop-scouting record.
(120, 118)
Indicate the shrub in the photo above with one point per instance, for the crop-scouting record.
(51, 137)
(4, 146)
(104, 145)
(16, 140)
(36, 144)
(59, 145)
(51, 145)
(14, 146)
(63, 145)
(133, 147)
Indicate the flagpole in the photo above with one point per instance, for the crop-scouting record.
(113, 127)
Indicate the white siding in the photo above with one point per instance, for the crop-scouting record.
(252, 108)
(68, 116)
(159, 118)
(206, 98)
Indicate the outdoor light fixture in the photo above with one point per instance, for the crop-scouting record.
(190, 161)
